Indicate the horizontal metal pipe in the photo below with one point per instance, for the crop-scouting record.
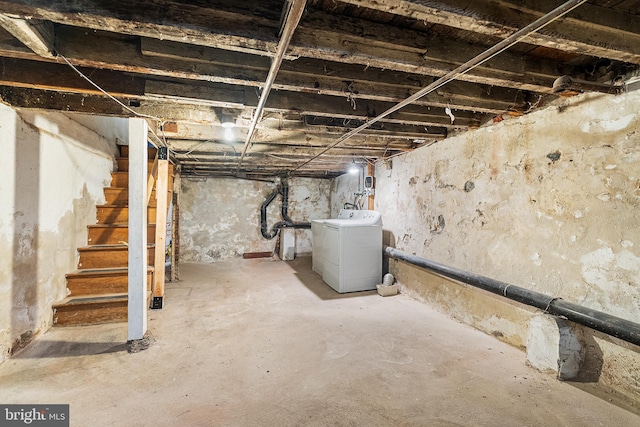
(594, 319)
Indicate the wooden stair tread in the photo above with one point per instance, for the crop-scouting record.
(111, 247)
(92, 299)
(102, 272)
(115, 205)
(125, 189)
(95, 299)
(114, 225)
(112, 187)
(122, 204)
(123, 173)
(120, 172)
(111, 233)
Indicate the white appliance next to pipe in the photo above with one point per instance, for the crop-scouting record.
(352, 251)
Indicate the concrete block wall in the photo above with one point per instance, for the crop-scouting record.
(548, 201)
(220, 217)
(52, 174)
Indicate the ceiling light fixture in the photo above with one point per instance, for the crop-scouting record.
(354, 169)
(228, 131)
(228, 124)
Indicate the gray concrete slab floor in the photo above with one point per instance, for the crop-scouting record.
(267, 343)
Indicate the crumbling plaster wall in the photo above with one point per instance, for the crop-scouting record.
(548, 201)
(343, 190)
(53, 171)
(220, 217)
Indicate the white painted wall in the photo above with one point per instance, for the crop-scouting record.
(109, 128)
(548, 201)
(220, 217)
(52, 174)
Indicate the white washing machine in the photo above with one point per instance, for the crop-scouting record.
(352, 251)
(317, 256)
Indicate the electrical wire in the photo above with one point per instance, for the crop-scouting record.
(105, 92)
(161, 122)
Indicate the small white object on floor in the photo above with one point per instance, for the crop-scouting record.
(386, 291)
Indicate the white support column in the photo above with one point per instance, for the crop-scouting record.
(137, 307)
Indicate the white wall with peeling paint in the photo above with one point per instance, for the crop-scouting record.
(52, 174)
(549, 201)
(220, 217)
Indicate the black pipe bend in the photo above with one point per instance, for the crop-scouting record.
(263, 217)
(283, 190)
(285, 209)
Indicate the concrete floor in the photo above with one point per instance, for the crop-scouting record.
(267, 343)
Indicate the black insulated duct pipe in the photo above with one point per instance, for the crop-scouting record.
(283, 190)
(603, 322)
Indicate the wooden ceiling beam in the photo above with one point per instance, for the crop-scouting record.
(46, 76)
(311, 136)
(58, 77)
(330, 78)
(60, 101)
(98, 104)
(34, 34)
(332, 126)
(370, 43)
(288, 155)
(237, 31)
(201, 171)
(214, 27)
(304, 75)
(263, 165)
(206, 148)
(314, 105)
(589, 30)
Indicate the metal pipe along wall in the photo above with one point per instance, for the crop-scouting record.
(594, 319)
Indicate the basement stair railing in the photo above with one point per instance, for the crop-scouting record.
(159, 178)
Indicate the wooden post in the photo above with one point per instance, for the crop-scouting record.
(137, 271)
(370, 172)
(151, 180)
(175, 229)
(161, 228)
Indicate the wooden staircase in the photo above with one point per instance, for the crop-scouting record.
(98, 289)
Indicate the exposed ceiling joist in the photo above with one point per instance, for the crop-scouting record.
(584, 31)
(472, 63)
(425, 57)
(34, 34)
(192, 63)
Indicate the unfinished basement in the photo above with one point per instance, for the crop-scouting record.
(320, 212)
